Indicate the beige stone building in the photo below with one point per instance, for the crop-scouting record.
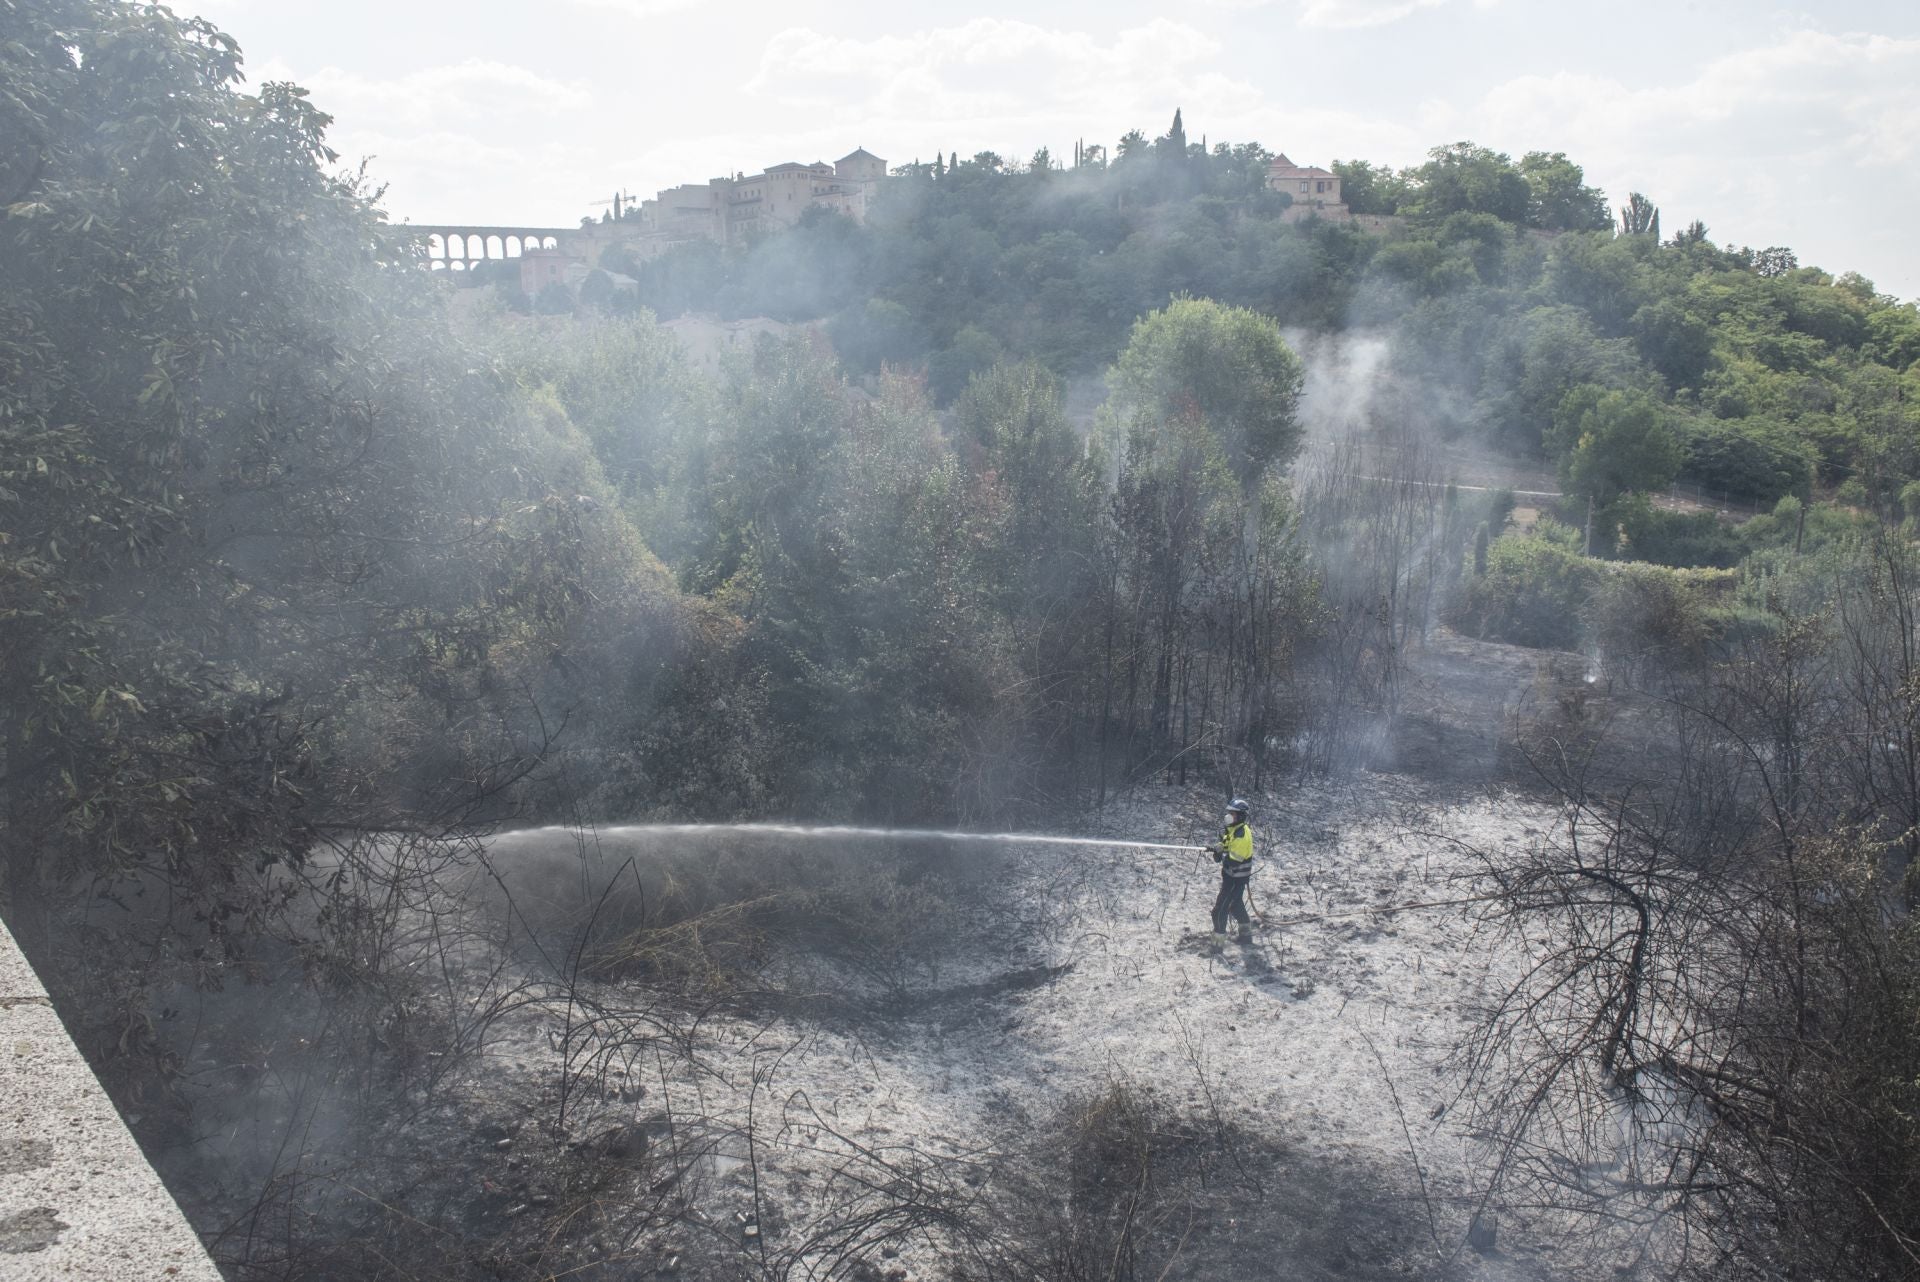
(1315, 191)
(726, 210)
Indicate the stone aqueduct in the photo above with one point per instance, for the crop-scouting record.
(462, 249)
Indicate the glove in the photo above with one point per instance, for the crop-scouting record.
(1217, 853)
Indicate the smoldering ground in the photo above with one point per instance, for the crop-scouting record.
(617, 1048)
(863, 1055)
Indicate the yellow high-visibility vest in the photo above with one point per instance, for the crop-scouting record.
(1237, 841)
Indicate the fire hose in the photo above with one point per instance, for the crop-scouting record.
(1384, 910)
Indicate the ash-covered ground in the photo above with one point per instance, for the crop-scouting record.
(928, 1101)
(727, 1055)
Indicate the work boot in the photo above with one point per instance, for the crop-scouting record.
(1219, 939)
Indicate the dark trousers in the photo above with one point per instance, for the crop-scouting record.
(1232, 899)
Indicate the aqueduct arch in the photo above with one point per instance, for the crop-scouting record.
(457, 248)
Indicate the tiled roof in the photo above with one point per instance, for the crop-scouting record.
(1281, 167)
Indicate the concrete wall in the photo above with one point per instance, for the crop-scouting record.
(77, 1199)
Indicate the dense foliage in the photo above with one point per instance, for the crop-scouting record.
(1501, 284)
(960, 620)
(283, 562)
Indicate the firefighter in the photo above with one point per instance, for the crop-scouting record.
(1234, 853)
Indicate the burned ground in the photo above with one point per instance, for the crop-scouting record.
(923, 1059)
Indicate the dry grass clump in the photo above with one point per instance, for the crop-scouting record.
(717, 922)
(1130, 1184)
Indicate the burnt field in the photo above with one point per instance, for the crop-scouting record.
(717, 1055)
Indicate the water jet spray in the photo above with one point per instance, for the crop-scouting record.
(943, 834)
(843, 831)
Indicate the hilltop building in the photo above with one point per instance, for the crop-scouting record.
(1314, 190)
(726, 210)
(540, 268)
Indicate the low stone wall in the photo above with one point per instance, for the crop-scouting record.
(77, 1198)
(1341, 214)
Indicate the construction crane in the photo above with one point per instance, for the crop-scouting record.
(622, 199)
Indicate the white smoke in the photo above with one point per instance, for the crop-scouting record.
(1345, 373)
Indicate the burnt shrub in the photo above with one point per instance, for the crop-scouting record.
(1125, 1183)
(716, 912)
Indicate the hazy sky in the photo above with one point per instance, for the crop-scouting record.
(1774, 126)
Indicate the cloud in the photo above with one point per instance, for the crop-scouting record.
(454, 141)
(473, 93)
(1812, 97)
(1010, 86)
(448, 176)
(638, 8)
(1360, 13)
(1346, 14)
(1808, 141)
(989, 69)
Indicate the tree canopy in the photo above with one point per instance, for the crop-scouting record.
(277, 546)
(1228, 367)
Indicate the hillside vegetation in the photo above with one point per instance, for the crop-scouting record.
(1513, 302)
(1519, 315)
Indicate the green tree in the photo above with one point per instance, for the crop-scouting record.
(1775, 260)
(1536, 358)
(973, 351)
(1046, 489)
(1368, 189)
(1173, 146)
(1464, 178)
(1694, 233)
(1482, 239)
(1893, 336)
(1639, 217)
(1604, 274)
(1226, 367)
(880, 332)
(1239, 171)
(1753, 459)
(1611, 443)
(1531, 592)
(1559, 198)
(625, 387)
(277, 546)
(1038, 501)
(1676, 342)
